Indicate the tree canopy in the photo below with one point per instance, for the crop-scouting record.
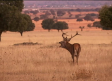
(22, 23)
(79, 19)
(89, 25)
(60, 25)
(11, 18)
(81, 27)
(105, 16)
(36, 19)
(51, 24)
(60, 12)
(43, 17)
(88, 17)
(34, 12)
(16, 3)
(7, 16)
(97, 24)
(47, 24)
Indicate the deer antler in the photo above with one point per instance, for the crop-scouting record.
(63, 35)
(73, 36)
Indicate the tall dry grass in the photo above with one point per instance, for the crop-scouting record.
(49, 62)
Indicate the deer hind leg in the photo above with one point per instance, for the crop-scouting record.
(73, 58)
(77, 58)
(78, 52)
(75, 52)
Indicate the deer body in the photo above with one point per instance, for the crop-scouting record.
(74, 49)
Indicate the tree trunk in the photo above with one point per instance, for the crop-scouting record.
(21, 33)
(48, 30)
(0, 35)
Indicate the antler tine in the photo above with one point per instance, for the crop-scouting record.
(63, 35)
(73, 36)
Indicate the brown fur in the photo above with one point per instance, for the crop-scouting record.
(74, 49)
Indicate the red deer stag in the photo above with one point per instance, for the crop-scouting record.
(74, 49)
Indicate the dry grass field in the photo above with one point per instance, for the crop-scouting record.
(49, 62)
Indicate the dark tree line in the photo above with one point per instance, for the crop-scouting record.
(84, 10)
(51, 24)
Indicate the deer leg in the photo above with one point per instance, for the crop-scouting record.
(77, 59)
(73, 58)
(77, 56)
(75, 53)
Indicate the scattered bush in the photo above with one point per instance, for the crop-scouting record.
(83, 74)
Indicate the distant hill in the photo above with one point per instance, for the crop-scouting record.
(66, 3)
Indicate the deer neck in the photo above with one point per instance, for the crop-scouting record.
(69, 47)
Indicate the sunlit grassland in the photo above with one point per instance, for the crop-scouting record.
(49, 62)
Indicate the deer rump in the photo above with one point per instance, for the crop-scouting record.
(76, 49)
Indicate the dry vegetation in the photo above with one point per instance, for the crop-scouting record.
(49, 62)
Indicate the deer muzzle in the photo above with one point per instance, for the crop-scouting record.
(60, 43)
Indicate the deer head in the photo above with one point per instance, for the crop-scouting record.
(66, 40)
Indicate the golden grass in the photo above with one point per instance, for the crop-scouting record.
(49, 62)
(84, 74)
